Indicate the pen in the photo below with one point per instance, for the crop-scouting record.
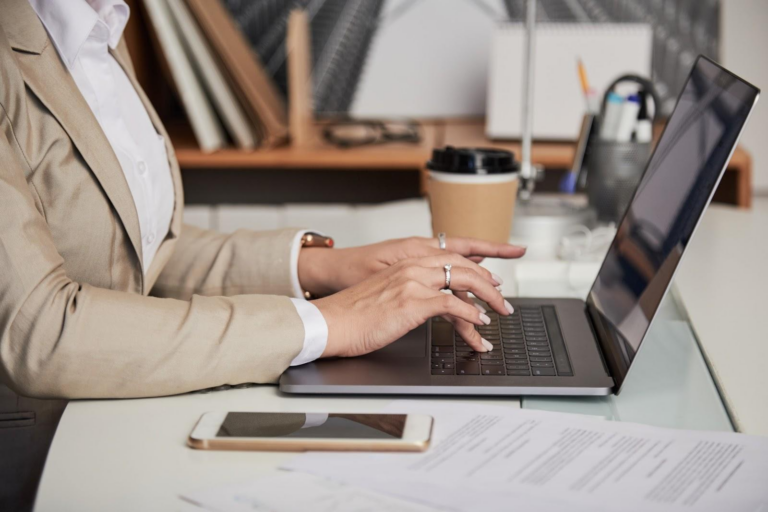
(610, 122)
(644, 127)
(628, 118)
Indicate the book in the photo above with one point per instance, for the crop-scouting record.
(226, 103)
(300, 113)
(255, 86)
(205, 125)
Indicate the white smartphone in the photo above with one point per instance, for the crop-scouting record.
(282, 431)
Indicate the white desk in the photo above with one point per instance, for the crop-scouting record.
(131, 454)
(724, 286)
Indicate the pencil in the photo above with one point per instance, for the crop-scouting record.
(583, 77)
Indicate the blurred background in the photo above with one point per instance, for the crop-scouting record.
(312, 144)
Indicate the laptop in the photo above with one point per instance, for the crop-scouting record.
(570, 346)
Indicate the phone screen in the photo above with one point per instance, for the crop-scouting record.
(312, 425)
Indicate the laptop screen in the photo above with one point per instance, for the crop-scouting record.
(676, 187)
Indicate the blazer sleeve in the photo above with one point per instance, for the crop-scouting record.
(64, 339)
(205, 262)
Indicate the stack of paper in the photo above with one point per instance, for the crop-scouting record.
(493, 458)
(285, 491)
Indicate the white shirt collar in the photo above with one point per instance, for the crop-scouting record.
(70, 22)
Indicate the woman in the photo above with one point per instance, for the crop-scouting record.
(107, 294)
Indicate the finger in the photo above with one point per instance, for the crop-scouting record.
(441, 304)
(470, 335)
(467, 280)
(457, 260)
(475, 247)
(469, 300)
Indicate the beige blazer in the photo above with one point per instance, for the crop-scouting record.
(78, 316)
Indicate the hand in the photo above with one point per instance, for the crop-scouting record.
(384, 307)
(324, 271)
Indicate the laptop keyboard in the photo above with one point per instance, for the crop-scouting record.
(526, 343)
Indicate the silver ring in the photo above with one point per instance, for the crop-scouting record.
(441, 240)
(447, 269)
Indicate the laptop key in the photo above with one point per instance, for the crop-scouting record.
(493, 371)
(517, 367)
(490, 356)
(466, 359)
(540, 359)
(492, 363)
(543, 372)
(518, 373)
(449, 366)
(442, 372)
(516, 356)
(467, 368)
(437, 365)
(535, 364)
(442, 333)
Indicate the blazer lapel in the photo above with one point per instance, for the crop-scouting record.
(48, 78)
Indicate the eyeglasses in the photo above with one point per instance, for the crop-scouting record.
(350, 133)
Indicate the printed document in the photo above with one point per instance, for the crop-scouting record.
(493, 458)
(285, 491)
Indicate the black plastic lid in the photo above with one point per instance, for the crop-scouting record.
(472, 161)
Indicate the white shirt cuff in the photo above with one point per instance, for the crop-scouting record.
(315, 332)
(315, 419)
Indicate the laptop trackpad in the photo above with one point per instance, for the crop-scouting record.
(413, 344)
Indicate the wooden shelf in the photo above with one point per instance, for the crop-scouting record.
(435, 133)
(319, 155)
(735, 189)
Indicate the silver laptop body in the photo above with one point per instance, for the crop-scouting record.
(569, 346)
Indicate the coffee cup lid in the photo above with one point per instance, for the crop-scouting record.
(472, 161)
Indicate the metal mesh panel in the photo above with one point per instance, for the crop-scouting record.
(682, 30)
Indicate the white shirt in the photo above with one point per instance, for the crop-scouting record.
(83, 31)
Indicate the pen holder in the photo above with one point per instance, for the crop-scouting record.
(615, 169)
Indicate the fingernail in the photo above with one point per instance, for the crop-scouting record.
(485, 319)
(497, 279)
(509, 307)
(487, 345)
(480, 308)
(524, 247)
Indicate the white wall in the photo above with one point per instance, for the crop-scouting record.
(744, 50)
(349, 224)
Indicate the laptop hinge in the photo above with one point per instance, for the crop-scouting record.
(596, 338)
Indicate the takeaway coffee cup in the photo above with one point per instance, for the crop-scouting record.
(472, 192)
